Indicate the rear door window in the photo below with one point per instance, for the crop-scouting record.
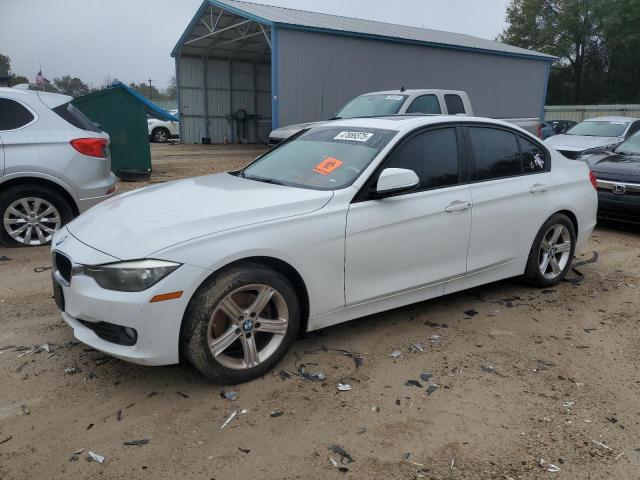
(454, 103)
(495, 152)
(427, 104)
(13, 115)
(433, 155)
(534, 158)
(75, 117)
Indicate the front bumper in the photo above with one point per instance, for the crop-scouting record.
(624, 208)
(157, 324)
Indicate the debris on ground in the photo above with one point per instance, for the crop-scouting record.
(183, 395)
(426, 376)
(489, 369)
(319, 376)
(412, 383)
(435, 339)
(471, 313)
(119, 415)
(138, 443)
(432, 388)
(229, 419)
(244, 450)
(395, 354)
(568, 404)
(344, 387)
(5, 440)
(42, 269)
(344, 455)
(229, 395)
(362, 430)
(283, 374)
(275, 414)
(4, 259)
(357, 358)
(25, 410)
(579, 278)
(416, 347)
(549, 467)
(95, 457)
(72, 370)
(602, 445)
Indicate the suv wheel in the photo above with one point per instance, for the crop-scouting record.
(552, 252)
(160, 135)
(31, 214)
(241, 323)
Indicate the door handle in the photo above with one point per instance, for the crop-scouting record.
(457, 206)
(538, 188)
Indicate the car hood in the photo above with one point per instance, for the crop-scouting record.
(616, 165)
(139, 223)
(578, 143)
(290, 130)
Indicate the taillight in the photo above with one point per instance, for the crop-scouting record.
(594, 180)
(92, 147)
(540, 130)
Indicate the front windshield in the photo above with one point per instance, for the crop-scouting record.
(630, 147)
(599, 129)
(372, 106)
(322, 158)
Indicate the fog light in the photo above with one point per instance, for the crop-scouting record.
(131, 333)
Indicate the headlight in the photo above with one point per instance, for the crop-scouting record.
(134, 276)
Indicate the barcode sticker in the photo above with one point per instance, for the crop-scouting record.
(354, 136)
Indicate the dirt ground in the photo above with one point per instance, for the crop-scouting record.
(534, 374)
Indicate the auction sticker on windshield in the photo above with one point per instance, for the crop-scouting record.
(354, 136)
(327, 166)
(397, 98)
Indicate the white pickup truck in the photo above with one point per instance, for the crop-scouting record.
(407, 102)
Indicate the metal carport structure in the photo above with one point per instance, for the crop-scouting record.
(244, 68)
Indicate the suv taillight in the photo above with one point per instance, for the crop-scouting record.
(594, 180)
(92, 147)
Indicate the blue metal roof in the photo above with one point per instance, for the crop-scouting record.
(299, 19)
(151, 108)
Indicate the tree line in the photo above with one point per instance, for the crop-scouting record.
(597, 43)
(75, 87)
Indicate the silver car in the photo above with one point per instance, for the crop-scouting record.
(54, 165)
(595, 135)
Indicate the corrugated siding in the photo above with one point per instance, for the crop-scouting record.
(201, 119)
(290, 16)
(318, 73)
(578, 113)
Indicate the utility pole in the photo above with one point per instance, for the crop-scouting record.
(150, 96)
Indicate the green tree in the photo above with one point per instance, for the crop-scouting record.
(71, 86)
(567, 29)
(172, 89)
(149, 92)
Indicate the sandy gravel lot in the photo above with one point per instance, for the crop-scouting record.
(524, 375)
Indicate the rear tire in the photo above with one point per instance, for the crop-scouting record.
(160, 135)
(240, 323)
(30, 214)
(552, 252)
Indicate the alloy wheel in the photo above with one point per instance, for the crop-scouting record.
(247, 326)
(555, 250)
(31, 221)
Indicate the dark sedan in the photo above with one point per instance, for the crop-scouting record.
(618, 175)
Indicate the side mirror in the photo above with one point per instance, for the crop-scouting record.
(396, 180)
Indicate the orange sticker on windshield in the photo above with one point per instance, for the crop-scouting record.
(327, 166)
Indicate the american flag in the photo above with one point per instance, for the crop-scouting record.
(40, 80)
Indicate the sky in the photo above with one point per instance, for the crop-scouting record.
(131, 40)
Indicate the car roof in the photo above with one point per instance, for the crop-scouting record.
(611, 119)
(408, 122)
(414, 91)
(51, 100)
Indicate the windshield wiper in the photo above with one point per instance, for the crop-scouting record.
(264, 180)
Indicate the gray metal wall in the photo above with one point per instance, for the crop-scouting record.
(318, 73)
(230, 86)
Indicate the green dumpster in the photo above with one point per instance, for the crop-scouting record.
(122, 113)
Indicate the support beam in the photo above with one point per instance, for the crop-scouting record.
(216, 45)
(267, 38)
(216, 32)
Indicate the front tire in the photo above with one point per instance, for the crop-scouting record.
(240, 323)
(160, 135)
(552, 252)
(31, 214)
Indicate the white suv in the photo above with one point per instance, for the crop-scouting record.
(160, 131)
(54, 165)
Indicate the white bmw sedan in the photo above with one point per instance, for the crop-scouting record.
(343, 220)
